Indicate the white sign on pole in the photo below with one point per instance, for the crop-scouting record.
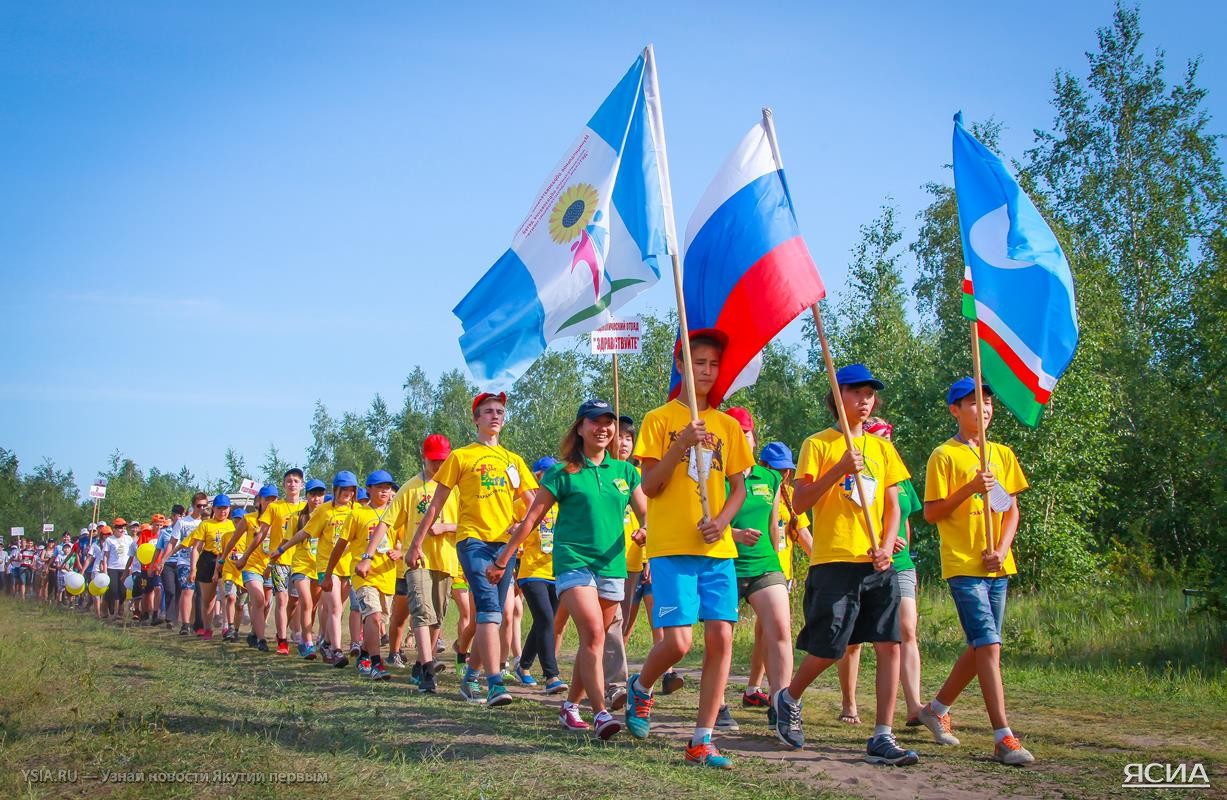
(98, 491)
(620, 337)
(249, 487)
(17, 531)
(48, 527)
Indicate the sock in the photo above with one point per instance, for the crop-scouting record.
(700, 735)
(879, 730)
(429, 667)
(280, 640)
(462, 657)
(493, 679)
(639, 687)
(1001, 733)
(939, 708)
(753, 689)
(568, 704)
(470, 674)
(363, 654)
(785, 696)
(376, 660)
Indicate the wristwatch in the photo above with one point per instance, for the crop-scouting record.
(366, 557)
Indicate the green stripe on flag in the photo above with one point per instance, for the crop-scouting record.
(1007, 387)
(969, 306)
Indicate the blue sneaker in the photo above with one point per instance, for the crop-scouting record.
(638, 709)
(787, 722)
(498, 695)
(705, 754)
(555, 685)
(524, 677)
(882, 749)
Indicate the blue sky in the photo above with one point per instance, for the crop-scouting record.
(211, 215)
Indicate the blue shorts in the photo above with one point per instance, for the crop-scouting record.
(606, 588)
(475, 555)
(183, 576)
(249, 576)
(981, 606)
(687, 589)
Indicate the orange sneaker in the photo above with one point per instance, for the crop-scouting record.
(705, 754)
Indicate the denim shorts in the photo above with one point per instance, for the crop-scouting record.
(606, 588)
(641, 588)
(475, 555)
(981, 606)
(687, 589)
(183, 576)
(907, 583)
(249, 576)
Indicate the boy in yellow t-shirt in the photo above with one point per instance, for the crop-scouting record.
(372, 550)
(278, 522)
(251, 560)
(956, 495)
(487, 478)
(851, 592)
(422, 592)
(691, 558)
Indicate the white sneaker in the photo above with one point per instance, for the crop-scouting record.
(938, 726)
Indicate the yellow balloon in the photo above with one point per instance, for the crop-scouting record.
(75, 590)
(95, 591)
(129, 594)
(146, 552)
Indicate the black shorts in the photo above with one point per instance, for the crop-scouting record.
(206, 564)
(848, 603)
(402, 588)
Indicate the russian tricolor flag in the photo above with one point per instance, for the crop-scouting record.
(748, 272)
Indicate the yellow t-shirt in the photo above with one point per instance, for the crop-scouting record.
(408, 507)
(214, 534)
(952, 465)
(787, 542)
(329, 523)
(305, 552)
(635, 553)
(485, 478)
(230, 572)
(258, 562)
(839, 525)
(362, 523)
(537, 551)
(674, 515)
(281, 517)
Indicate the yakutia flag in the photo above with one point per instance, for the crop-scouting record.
(593, 238)
(748, 272)
(1018, 286)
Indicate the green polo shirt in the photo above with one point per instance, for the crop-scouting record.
(909, 504)
(591, 508)
(759, 558)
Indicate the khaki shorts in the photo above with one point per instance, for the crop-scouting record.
(429, 591)
(370, 601)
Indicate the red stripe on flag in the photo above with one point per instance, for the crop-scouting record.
(967, 286)
(1016, 365)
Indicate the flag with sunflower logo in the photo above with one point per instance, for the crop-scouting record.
(597, 234)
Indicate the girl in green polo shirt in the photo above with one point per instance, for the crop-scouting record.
(592, 490)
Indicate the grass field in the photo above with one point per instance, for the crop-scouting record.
(1095, 680)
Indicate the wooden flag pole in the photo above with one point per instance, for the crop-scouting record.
(989, 534)
(688, 382)
(617, 404)
(843, 423)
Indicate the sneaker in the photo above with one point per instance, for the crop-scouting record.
(471, 691)
(606, 725)
(498, 695)
(339, 659)
(705, 754)
(1010, 751)
(788, 722)
(415, 676)
(379, 673)
(207, 635)
(364, 667)
(308, 651)
(938, 726)
(199, 631)
(439, 666)
(262, 646)
(326, 654)
(440, 646)
(383, 640)
(184, 630)
(251, 640)
(555, 685)
(725, 721)
(283, 648)
(524, 677)
(756, 699)
(397, 660)
(671, 682)
(426, 685)
(355, 649)
(507, 675)
(569, 716)
(638, 709)
(882, 749)
(615, 698)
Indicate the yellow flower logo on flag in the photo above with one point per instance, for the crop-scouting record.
(573, 212)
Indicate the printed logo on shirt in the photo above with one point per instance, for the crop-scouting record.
(424, 504)
(492, 480)
(622, 486)
(711, 444)
(761, 490)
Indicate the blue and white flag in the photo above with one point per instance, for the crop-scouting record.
(593, 239)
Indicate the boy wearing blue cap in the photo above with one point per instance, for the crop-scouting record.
(372, 548)
(957, 496)
(851, 592)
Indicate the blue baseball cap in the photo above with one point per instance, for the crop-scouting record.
(362, 495)
(963, 387)
(855, 374)
(379, 476)
(344, 479)
(314, 485)
(268, 490)
(777, 456)
(238, 511)
(327, 498)
(594, 410)
(544, 463)
(221, 501)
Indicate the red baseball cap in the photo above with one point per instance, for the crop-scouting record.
(484, 396)
(743, 417)
(436, 447)
(119, 522)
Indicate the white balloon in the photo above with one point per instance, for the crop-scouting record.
(74, 581)
(128, 583)
(102, 580)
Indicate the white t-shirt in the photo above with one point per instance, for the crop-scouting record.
(117, 549)
(95, 553)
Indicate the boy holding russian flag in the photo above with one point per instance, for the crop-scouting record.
(690, 557)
